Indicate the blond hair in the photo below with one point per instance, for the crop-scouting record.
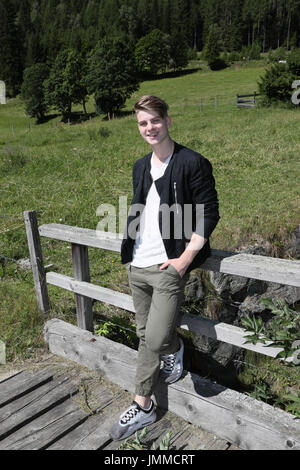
(152, 103)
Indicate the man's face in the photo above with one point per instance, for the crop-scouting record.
(152, 127)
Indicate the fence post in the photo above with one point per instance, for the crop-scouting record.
(82, 273)
(36, 259)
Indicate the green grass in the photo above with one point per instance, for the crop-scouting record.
(65, 172)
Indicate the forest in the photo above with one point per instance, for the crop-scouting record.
(34, 31)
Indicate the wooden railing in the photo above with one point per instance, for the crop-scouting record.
(264, 268)
(249, 102)
(229, 414)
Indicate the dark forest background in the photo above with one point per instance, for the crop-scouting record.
(34, 31)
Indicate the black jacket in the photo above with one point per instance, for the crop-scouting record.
(188, 179)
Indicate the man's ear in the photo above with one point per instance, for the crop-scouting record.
(169, 120)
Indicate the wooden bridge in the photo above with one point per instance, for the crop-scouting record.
(59, 405)
(204, 407)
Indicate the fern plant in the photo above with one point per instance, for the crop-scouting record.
(293, 405)
(282, 332)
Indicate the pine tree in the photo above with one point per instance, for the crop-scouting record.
(10, 50)
(32, 91)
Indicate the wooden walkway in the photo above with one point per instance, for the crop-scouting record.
(59, 405)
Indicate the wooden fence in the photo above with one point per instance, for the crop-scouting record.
(117, 362)
(249, 102)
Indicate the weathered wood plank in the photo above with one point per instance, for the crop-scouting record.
(240, 419)
(95, 292)
(93, 434)
(217, 330)
(33, 404)
(20, 384)
(46, 429)
(264, 268)
(8, 375)
(82, 273)
(82, 236)
(36, 260)
(194, 438)
(227, 333)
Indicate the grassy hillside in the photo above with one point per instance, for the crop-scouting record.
(65, 172)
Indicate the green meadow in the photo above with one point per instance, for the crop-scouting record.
(65, 171)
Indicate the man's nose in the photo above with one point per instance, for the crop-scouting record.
(149, 126)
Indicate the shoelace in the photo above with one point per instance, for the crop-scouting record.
(130, 414)
(169, 362)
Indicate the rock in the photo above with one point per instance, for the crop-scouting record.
(237, 297)
(24, 263)
(292, 248)
(194, 289)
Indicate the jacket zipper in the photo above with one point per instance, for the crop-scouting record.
(175, 191)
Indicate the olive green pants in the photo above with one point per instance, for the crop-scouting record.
(157, 297)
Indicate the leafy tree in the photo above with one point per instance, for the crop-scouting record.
(112, 74)
(32, 90)
(152, 52)
(66, 84)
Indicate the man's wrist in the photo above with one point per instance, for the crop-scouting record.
(196, 244)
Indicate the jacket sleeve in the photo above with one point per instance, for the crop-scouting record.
(204, 196)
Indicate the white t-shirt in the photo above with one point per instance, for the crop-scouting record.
(149, 248)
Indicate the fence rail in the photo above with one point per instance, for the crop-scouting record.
(263, 268)
(248, 103)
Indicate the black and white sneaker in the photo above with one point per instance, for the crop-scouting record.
(172, 365)
(133, 419)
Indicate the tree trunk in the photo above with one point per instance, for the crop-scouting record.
(84, 107)
(288, 32)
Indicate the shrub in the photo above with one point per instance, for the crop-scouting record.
(251, 52)
(276, 85)
(293, 61)
(218, 64)
(278, 54)
(234, 56)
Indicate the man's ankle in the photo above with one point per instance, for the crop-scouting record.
(143, 402)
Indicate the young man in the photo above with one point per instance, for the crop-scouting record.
(173, 212)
